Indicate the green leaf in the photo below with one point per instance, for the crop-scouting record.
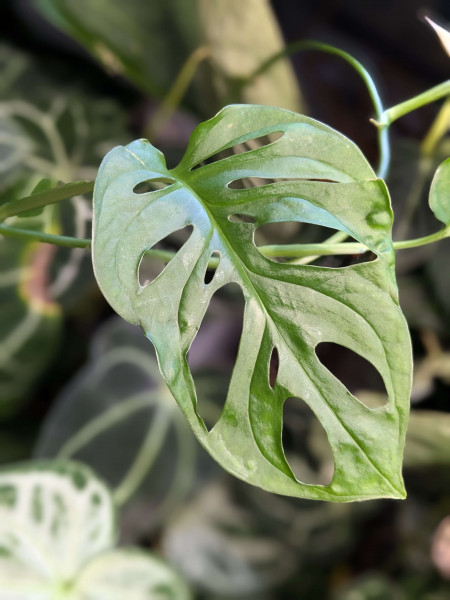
(241, 36)
(44, 185)
(45, 197)
(149, 47)
(130, 574)
(119, 37)
(54, 517)
(440, 193)
(325, 180)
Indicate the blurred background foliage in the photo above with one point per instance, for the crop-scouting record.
(78, 77)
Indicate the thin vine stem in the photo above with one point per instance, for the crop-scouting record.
(300, 46)
(293, 251)
(174, 96)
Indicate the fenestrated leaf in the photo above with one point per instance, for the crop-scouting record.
(440, 193)
(290, 307)
(130, 574)
(53, 518)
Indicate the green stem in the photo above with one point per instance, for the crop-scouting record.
(293, 251)
(336, 238)
(399, 110)
(423, 241)
(46, 238)
(62, 192)
(145, 458)
(176, 92)
(303, 250)
(383, 136)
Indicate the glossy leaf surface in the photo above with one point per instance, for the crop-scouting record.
(323, 179)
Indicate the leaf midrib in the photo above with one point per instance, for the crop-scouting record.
(244, 270)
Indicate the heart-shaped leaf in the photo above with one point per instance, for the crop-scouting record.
(440, 193)
(54, 517)
(323, 179)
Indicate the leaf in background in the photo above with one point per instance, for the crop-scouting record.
(428, 439)
(132, 574)
(14, 148)
(222, 548)
(30, 320)
(54, 518)
(57, 532)
(149, 45)
(442, 33)
(66, 131)
(241, 36)
(234, 540)
(325, 180)
(121, 388)
(133, 39)
(440, 193)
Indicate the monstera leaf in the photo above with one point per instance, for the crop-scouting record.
(57, 532)
(322, 178)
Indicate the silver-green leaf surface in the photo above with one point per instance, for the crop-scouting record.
(54, 517)
(321, 178)
(57, 536)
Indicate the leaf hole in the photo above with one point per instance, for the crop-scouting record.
(240, 218)
(155, 259)
(252, 182)
(152, 185)
(305, 444)
(241, 148)
(274, 365)
(297, 232)
(214, 350)
(358, 375)
(212, 266)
